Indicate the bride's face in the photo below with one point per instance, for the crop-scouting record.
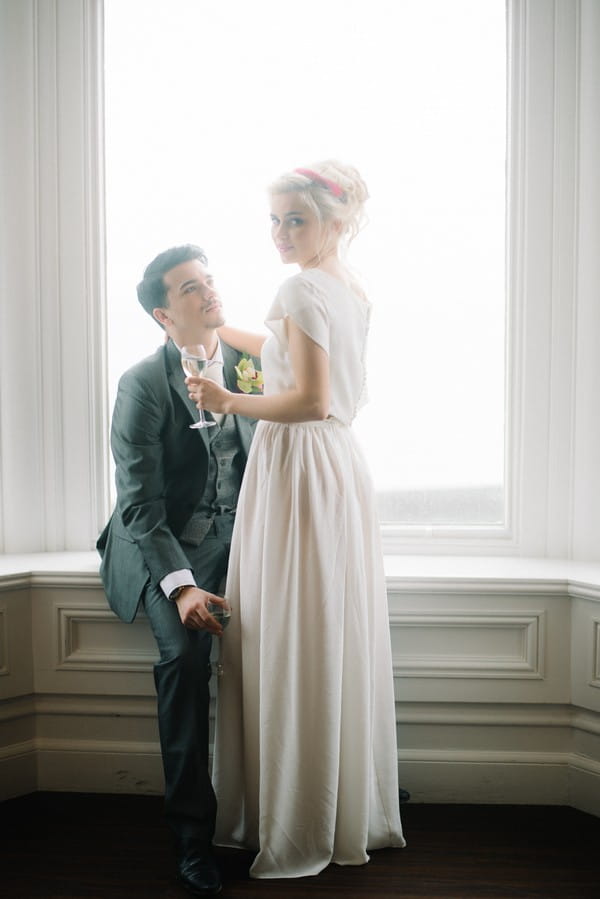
(297, 232)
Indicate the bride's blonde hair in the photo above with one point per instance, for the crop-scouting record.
(332, 191)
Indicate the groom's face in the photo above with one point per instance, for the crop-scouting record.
(193, 302)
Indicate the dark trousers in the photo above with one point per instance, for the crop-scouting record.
(181, 677)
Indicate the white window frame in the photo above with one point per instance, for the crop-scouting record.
(544, 67)
(54, 417)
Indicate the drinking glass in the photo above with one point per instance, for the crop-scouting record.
(193, 362)
(222, 614)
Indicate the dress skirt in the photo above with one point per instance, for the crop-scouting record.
(305, 761)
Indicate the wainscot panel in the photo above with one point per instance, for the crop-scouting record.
(496, 674)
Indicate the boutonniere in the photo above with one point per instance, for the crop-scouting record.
(249, 380)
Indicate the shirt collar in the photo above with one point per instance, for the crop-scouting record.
(217, 356)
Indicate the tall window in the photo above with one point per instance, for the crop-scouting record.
(207, 101)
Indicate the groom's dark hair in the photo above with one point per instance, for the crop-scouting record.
(151, 290)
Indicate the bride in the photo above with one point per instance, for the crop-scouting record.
(305, 767)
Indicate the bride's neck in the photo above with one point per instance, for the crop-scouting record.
(330, 264)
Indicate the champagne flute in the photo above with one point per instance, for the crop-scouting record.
(193, 362)
(223, 615)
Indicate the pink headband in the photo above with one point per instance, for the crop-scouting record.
(335, 189)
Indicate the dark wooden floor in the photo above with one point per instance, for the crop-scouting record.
(59, 845)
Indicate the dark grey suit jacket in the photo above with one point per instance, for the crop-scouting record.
(161, 471)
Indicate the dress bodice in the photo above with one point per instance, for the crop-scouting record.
(337, 320)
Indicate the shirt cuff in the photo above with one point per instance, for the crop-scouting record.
(181, 578)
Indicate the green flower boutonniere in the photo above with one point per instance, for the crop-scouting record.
(249, 380)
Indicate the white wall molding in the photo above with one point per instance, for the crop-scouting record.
(494, 702)
(421, 714)
(515, 644)
(584, 591)
(586, 432)
(82, 643)
(542, 265)
(482, 715)
(18, 750)
(405, 574)
(97, 747)
(562, 385)
(54, 450)
(434, 772)
(74, 706)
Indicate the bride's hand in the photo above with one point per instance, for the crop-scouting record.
(208, 395)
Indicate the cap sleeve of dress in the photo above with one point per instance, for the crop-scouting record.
(303, 302)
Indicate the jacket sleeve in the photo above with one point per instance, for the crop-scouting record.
(139, 419)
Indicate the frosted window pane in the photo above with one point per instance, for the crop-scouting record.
(207, 101)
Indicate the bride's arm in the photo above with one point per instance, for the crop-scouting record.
(307, 401)
(242, 341)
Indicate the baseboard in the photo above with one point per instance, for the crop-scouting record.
(487, 781)
(533, 755)
(584, 785)
(98, 767)
(525, 778)
(18, 770)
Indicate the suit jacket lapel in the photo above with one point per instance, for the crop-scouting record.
(230, 359)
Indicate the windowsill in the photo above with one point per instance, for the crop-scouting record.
(493, 574)
(46, 569)
(403, 573)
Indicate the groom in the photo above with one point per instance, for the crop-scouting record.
(166, 546)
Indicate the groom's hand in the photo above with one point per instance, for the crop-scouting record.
(192, 605)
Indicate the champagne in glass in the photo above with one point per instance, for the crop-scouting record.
(193, 362)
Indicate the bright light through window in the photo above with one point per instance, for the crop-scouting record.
(207, 101)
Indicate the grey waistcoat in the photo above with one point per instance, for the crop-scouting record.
(225, 468)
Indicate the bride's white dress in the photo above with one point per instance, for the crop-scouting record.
(305, 754)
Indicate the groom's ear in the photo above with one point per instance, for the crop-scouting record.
(161, 317)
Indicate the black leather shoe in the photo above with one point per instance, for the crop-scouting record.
(403, 795)
(199, 875)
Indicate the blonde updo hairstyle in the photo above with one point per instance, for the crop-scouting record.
(342, 201)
